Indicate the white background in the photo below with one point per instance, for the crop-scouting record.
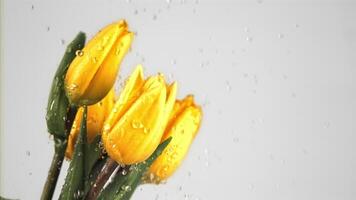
(276, 80)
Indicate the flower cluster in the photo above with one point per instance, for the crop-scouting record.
(131, 125)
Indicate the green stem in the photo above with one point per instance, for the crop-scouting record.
(102, 178)
(57, 160)
(52, 177)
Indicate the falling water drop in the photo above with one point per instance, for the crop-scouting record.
(228, 86)
(327, 124)
(235, 139)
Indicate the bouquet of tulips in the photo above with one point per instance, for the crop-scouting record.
(113, 142)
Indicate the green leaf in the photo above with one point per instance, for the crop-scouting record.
(123, 186)
(93, 162)
(2, 198)
(74, 183)
(58, 103)
(92, 154)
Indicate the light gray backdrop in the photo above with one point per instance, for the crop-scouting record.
(276, 80)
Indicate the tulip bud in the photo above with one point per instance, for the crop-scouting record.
(97, 114)
(58, 105)
(93, 71)
(182, 127)
(133, 129)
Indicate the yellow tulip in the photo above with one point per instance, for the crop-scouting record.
(97, 114)
(135, 126)
(183, 125)
(92, 73)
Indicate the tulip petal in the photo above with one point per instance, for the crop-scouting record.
(127, 141)
(95, 121)
(108, 70)
(183, 132)
(129, 94)
(93, 55)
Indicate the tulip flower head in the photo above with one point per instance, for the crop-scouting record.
(135, 125)
(183, 125)
(92, 73)
(96, 116)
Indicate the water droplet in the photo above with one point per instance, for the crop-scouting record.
(48, 28)
(259, 1)
(186, 196)
(136, 124)
(280, 36)
(52, 103)
(69, 50)
(124, 172)
(32, 7)
(135, 12)
(228, 86)
(63, 41)
(28, 153)
(79, 53)
(296, 25)
(294, 95)
(236, 140)
(95, 60)
(154, 17)
(251, 186)
(249, 39)
(271, 157)
(283, 161)
(207, 163)
(146, 130)
(118, 50)
(168, 1)
(305, 152)
(327, 124)
(106, 127)
(206, 151)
